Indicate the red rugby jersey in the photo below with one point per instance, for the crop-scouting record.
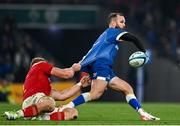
(37, 80)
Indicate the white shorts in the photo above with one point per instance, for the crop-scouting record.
(33, 99)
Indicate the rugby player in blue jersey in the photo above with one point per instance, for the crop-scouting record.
(98, 63)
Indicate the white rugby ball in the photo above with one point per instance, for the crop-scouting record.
(137, 59)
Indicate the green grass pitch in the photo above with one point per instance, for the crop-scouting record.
(97, 113)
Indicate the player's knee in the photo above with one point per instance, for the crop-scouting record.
(48, 103)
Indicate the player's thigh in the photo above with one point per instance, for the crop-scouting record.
(32, 99)
(47, 99)
(46, 103)
(97, 88)
(101, 75)
(120, 85)
(42, 102)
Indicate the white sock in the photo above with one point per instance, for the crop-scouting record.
(129, 97)
(140, 111)
(69, 105)
(86, 96)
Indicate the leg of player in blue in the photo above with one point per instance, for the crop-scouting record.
(132, 101)
(83, 98)
(97, 88)
(120, 85)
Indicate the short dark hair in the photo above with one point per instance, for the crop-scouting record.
(36, 60)
(113, 15)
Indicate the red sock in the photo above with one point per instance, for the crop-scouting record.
(30, 111)
(57, 116)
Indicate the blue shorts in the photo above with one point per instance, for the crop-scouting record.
(99, 69)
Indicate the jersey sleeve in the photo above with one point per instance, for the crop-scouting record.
(120, 32)
(115, 34)
(46, 67)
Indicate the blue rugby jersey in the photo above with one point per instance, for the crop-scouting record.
(105, 47)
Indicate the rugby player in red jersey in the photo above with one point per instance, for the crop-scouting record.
(39, 97)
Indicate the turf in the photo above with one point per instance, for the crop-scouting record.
(107, 114)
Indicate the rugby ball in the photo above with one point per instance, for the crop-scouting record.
(137, 59)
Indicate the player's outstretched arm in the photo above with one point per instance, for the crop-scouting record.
(62, 73)
(67, 93)
(67, 72)
(129, 37)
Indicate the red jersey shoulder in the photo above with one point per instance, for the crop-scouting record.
(44, 66)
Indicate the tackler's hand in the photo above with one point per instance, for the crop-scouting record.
(85, 81)
(76, 67)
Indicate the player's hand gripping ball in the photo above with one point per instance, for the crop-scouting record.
(138, 59)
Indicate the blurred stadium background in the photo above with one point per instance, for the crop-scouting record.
(63, 31)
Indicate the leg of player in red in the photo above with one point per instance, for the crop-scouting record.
(66, 114)
(46, 104)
